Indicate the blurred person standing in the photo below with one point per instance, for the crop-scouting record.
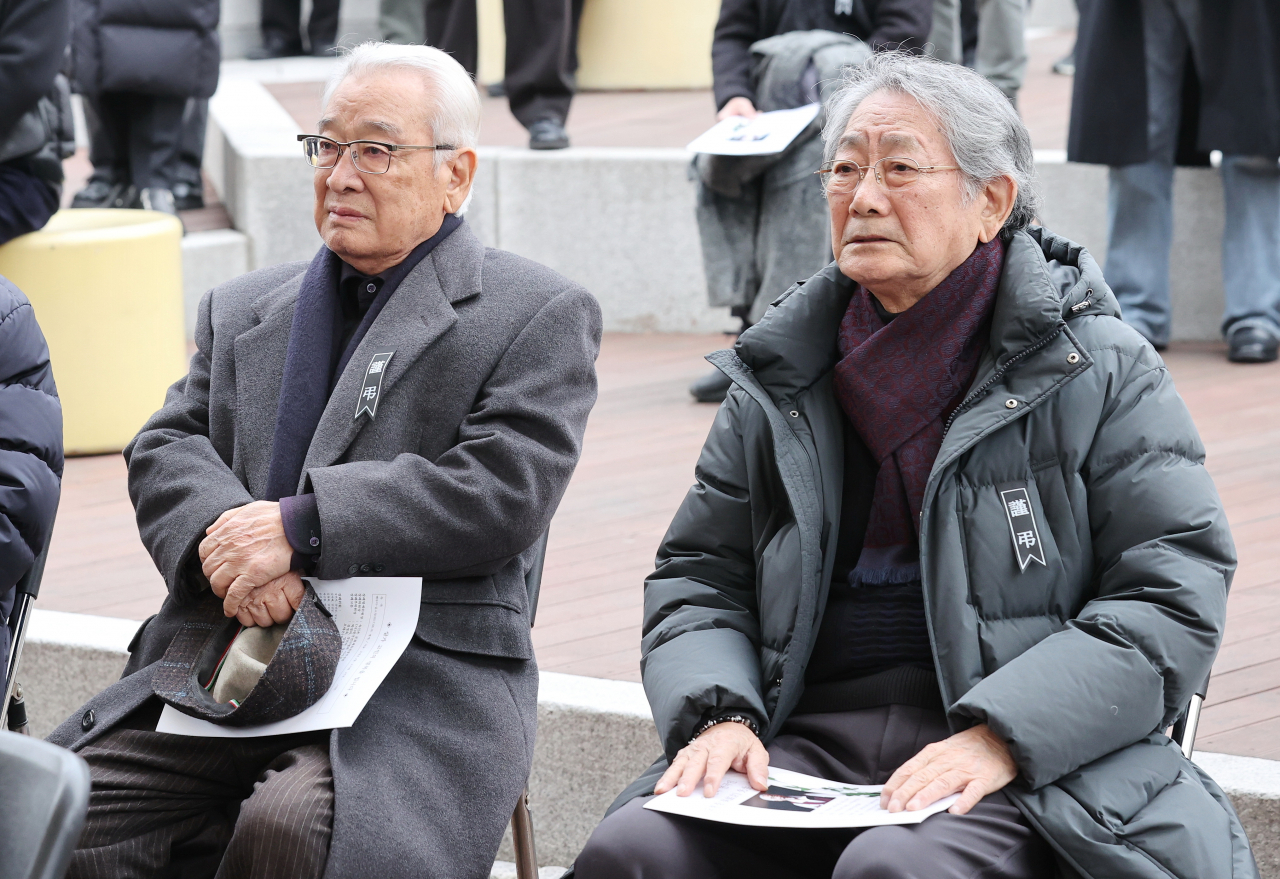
(1001, 51)
(35, 112)
(282, 29)
(30, 448)
(138, 64)
(541, 56)
(762, 219)
(1163, 82)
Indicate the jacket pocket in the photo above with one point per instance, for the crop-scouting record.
(482, 615)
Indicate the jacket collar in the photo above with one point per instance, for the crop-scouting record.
(1046, 280)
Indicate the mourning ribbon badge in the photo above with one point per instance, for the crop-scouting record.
(371, 389)
(1027, 545)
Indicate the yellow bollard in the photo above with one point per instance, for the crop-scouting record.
(106, 286)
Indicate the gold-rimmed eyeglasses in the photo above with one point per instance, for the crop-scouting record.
(369, 156)
(844, 176)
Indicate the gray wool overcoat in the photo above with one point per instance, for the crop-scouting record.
(1079, 660)
(477, 432)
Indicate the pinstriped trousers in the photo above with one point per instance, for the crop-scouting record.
(165, 805)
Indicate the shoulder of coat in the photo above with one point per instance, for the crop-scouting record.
(506, 274)
(1113, 344)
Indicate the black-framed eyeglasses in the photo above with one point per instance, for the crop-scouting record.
(369, 156)
(844, 176)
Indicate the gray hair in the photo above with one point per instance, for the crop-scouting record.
(454, 117)
(982, 128)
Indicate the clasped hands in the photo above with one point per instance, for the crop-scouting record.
(247, 560)
(972, 763)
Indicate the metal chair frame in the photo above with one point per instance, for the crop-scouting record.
(1184, 728)
(522, 817)
(27, 590)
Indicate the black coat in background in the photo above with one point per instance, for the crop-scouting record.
(167, 48)
(883, 24)
(1233, 105)
(33, 35)
(30, 447)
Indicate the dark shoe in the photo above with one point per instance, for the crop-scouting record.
(96, 194)
(711, 388)
(123, 197)
(275, 47)
(548, 134)
(1252, 345)
(1066, 66)
(158, 200)
(324, 50)
(187, 197)
(496, 90)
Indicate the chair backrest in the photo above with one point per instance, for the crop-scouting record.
(533, 576)
(46, 793)
(1184, 728)
(27, 589)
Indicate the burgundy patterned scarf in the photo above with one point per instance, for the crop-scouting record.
(898, 383)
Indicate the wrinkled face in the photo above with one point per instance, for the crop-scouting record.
(373, 220)
(904, 240)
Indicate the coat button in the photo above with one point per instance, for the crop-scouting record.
(88, 720)
(1011, 404)
(1073, 357)
(795, 414)
(377, 569)
(315, 541)
(364, 569)
(353, 570)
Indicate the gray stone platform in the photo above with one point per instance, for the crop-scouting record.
(594, 737)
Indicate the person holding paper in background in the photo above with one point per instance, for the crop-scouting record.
(762, 220)
(951, 532)
(409, 404)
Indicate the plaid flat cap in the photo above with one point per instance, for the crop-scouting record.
(217, 670)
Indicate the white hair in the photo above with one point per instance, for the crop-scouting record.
(454, 114)
(982, 128)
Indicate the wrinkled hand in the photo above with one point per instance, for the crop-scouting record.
(246, 549)
(974, 763)
(737, 107)
(272, 602)
(707, 758)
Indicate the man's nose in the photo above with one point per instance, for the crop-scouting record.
(870, 196)
(344, 175)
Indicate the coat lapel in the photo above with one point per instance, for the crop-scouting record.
(416, 315)
(260, 355)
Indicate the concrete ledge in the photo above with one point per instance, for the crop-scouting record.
(594, 737)
(209, 259)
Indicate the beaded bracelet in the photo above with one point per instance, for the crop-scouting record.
(727, 718)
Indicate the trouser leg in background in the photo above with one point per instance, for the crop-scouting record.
(107, 162)
(281, 23)
(538, 77)
(1140, 197)
(154, 139)
(1251, 243)
(402, 21)
(452, 28)
(322, 26)
(945, 38)
(1002, 49)
(854, 747)
(231, 808)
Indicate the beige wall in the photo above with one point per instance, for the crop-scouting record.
(625, 44)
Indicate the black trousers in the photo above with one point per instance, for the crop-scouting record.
(541, 50)
(165, 805)
(993, 841)
(116, 143)
(26, 204)
(281, 22)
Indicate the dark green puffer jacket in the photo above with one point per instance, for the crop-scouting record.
(1078, 663)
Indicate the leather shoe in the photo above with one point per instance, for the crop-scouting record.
(275, 47)
(711, 388)
(1252, 345)
(548, 134)
(97, 193)
(155, 199)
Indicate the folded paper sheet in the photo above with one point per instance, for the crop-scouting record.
(761, 135)
(792, 800)
(377, 617)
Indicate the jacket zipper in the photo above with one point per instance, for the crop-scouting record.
(999, 374)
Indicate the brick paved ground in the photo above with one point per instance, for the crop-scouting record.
(642, 441)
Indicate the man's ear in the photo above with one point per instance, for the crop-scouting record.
(997, 200)
(462, 174)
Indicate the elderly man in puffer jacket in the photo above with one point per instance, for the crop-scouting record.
(951, 533)
(30, 448)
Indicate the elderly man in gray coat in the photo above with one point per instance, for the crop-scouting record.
(255, 472)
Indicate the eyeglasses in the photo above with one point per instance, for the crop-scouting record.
(369, 156)
(843, 176)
